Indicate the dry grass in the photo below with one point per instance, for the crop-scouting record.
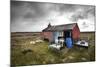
(39, 53)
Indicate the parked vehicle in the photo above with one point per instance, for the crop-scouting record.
(82, 43)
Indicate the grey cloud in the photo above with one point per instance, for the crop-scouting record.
(26, 14)
(85, 13)
(91, 11)
(85, 25)
(28, 10)
(78, 15)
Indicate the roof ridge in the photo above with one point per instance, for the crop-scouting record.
(63, 24)
(60, 27)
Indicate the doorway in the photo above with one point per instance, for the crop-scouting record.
(67, 34)
(68, 39)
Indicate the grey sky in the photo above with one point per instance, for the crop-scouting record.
(35, 16)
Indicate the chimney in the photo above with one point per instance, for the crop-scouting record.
(49, 25)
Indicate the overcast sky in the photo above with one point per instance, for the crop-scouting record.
(35, 16)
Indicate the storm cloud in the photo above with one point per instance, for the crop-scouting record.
(84, 13)
(34, 16)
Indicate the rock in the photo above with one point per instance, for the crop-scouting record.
(70, 57)
(64, 60)
(32, 42)
(52, 60)
(83, 58)
(44, 62)
(39, 41)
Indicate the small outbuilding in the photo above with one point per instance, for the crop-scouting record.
(64, 34)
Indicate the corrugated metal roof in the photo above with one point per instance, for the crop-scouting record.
(60, 27)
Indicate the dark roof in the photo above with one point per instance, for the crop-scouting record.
(60, 27)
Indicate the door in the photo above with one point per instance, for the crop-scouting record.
(68, 39)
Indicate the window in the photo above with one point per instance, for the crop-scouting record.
(60, 33)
